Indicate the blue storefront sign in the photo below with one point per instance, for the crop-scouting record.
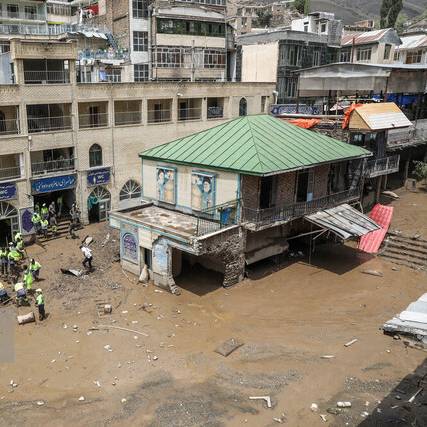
(55, 183)
(7, 191)
(98, 177)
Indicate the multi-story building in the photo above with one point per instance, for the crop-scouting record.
(183, 40)
(413, 49)
(81, 140)
(238, 193)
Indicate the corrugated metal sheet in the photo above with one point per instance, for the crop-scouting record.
(345, 221)
(363, 38)
(413, 42)
(382, 215)
(255, 145)
(384, 115)
(412, 321)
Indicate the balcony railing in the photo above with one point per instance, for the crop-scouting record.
(159, 116)
(22, 15)
(46, 77)
(189, 114)
(100, 54)
(9, 127)
(127, 118)
(93, 120)
(217, 218)
(262, 217)
(51, 166)
(10, 173)
(215, 112)
(382, 166)
(48, 124)
(23, 29)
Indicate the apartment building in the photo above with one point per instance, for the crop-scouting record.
(81, 140)
(413, 49)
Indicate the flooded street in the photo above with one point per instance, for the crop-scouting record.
(287, 320)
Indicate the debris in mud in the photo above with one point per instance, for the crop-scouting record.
(108, 347)
(334, 411)
(348, 344)
(40, 403)
(327, 356)
(26, 318)
(344, 404)
(228, 347)
(373, 273)
(390, 194)
(266, 398)
(81, 399)
(314, 407)
(72, 272)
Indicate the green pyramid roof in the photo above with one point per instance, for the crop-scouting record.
(255, 145)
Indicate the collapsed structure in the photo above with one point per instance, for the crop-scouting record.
(233, 195)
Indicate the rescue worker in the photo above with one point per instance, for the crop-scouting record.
(44, 212)
(3, 261)
(52, 210)
(71, 229)
(20, 246)
(18, 237)
(3, 293)
(28, 279)
(21, 294)
(44, 227)
(35, 268)
(14, 257)
(36, 219)
(59, 205)
(88, 257)
(40, 304)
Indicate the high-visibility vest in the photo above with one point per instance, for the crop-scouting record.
(28, 280)
(3, 254)
(44, 223)
(40, 299)
(20, 245)
(14, 255)
(36, 266)
(35, 219)
(44, 210)
(18, 236)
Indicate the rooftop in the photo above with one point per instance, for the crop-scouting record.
(355, 37)
(255, 145)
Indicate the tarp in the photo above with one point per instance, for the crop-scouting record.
(347, 115)
(305, 123)
(344, 221)
(382, 215)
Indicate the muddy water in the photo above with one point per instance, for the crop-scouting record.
(173, 377)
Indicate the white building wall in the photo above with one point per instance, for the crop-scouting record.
(259, 62)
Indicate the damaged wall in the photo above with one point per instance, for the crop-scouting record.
(321, 176)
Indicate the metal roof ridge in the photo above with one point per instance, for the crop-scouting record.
(254, 142)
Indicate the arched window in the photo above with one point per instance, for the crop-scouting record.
(95, 156)
(243, 107)
(131, 190)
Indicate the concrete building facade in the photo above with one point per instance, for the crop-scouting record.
(81, 140)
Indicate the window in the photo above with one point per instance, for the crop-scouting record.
(187, 27)
(316, 58)
(12, 11)
(323, 28)
(131, 190)
(364, 54)
(140, 41)
(291, 87)
(95, 156)
(414, 57)
(214, 58)
(30, 12)
(140, 72)
(169, 57)
(294, 55)
(306, 27)
(387, 51)
(264, 103)
(140, 8)
(396, 55)
(345, 55)
(243, 107)
(305, 183)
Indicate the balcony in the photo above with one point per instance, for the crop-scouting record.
(104, 54)
(89, 121)
(382, 166)
(48, 124)
(189, 114)
(217, 218)
(122, 118)
(10, 173)
(259, 218)
(23, 29)
(22, 15)
(52, 166)
(46, 77)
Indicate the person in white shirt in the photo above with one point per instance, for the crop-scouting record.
(88, 257)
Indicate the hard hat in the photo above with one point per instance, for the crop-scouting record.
(39, 290)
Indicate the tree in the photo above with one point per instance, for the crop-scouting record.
(302, 6)
(264, 18)
(420, 171)
(389, 12)
(401, 22)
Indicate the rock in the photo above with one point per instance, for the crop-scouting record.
(334, 411)
(373, 273)
(364, 414)
(26, 318)
(396, 337)
(227, 347)
(155, 357)
(108, 347)
(81, 399)
(314, 407)
(344, 404)
(40, 403)
(123, 400)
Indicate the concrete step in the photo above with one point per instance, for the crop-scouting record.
(408, 261)
(410, 255)
(406, 248)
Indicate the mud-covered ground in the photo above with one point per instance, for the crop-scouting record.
(173, 377)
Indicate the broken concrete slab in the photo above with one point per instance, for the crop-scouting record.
(227, 347)
(266, 398)
(26, 318)
(87, 240)
(72, 272)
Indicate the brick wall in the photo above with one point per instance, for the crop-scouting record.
(285, 189)
(250, 191)
(321, 174)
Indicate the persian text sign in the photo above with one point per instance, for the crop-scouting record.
(100, 176)
(55, 183)
(7, 191)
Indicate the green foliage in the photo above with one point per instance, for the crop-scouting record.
(401, 21)
(302, 6)
(389, 12)
(420, 171)
(264, 18)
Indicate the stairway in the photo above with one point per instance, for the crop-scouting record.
(63, 225)
(405, 250)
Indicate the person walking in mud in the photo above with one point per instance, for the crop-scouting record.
(87, 262)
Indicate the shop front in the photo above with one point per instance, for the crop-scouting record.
(99, 200)
(9, 216)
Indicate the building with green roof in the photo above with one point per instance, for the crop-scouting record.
(232, 195)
